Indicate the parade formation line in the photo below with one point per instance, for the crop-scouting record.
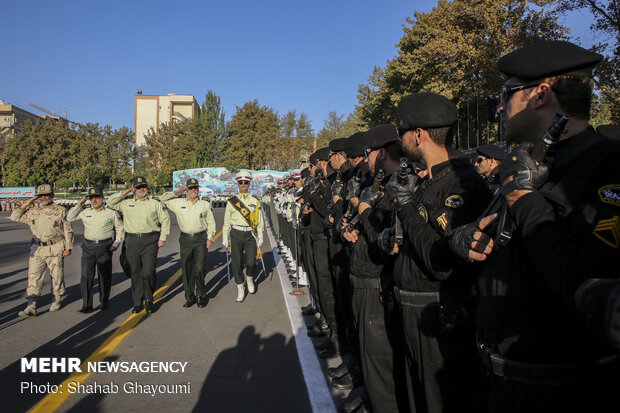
(53, 401)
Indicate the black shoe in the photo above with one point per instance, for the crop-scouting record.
(202, 301)
(150, 308)
(337, 372)
(358, 404)
(103, 306)
(308, 311)
(329, 353)
(137, 309)
(324, 344)
(343, 383)
(85, 310)
(188, 304)
(306, 307)
(318, 330)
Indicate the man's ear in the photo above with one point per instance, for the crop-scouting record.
(543, 94)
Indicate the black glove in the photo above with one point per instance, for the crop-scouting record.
(387, 241)
(371, 198)
(526, 173)
(337, 189)
(461, 240)
(354, 187)
(402, 192)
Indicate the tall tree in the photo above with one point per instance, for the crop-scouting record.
(253, 137)
(288, 122)
(303, 127)
(337, 126)
(210, 128)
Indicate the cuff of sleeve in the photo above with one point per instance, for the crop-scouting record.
(364, 217)
(162, 239)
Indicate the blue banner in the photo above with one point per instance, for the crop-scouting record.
(18, 192)
(221, 182)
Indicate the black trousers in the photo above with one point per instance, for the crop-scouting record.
(324, 280)
(142, 257)
(242, 243)
(96, 255)
(309, 267)
(382, 358)
(441, 366)
(342, 290)
(193, 257)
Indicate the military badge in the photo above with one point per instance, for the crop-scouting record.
(442, 221)
(608, 231)
(139, 180)
(422, 211)
(610, 194)
(454, 201)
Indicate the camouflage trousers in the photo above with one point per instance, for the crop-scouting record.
(41, 259)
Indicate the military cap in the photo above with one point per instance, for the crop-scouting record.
(297, 175)
(609, 131)
(354, 146)
(426, 110)
(548, 58)
(492, 151)
(44, 189)
(380, 136)
(305, 173)
(337, 145)
(243, 176)
(95, 191)
(139, 181)
(193, 183)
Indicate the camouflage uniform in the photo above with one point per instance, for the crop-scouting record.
(52, 234)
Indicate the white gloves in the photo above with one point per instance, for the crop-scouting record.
(259, 243)
(225, 243)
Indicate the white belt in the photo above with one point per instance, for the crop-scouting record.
(242, 228)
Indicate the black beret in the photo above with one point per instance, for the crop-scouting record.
(354, 146)
(492, 151)
(426, 110)
(548, 58)
(609, 131)
(320, 155)
(379, 136)
(139, 181)
(337, 145)
(193, 183)
(95, 191)
(305, 173)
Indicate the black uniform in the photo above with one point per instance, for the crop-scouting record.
(436, 290)
(374, 314)
(567, 232)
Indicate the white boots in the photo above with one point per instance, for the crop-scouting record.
(240, 292)
(251, 288)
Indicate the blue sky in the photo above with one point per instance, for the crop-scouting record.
(90, 56)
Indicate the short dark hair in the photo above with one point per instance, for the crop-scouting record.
(442, 136)
(573, 93)
(394, 150)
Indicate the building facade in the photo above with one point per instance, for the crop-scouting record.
(12, 120)
(150, 111)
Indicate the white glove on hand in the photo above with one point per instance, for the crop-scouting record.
(259, 243)
(225, 243)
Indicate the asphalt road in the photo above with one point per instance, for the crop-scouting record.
(236, 357)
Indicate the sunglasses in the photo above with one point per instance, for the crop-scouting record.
(509, 90)
(480, 159)
(243, 182)
(140, 186)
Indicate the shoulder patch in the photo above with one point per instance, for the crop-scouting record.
(610, 194)
(454, 201)
(422, 211)
(442, 221)
(608, 231)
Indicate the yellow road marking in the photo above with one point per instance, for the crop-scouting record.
(53, 401)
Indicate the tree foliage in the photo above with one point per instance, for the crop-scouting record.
(210, 129)
(337, 126)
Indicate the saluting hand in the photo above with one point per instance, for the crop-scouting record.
(180, 191)
(82, 202)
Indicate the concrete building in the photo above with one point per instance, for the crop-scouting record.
(12, 120)
(150, 111)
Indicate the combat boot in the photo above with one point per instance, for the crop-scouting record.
(56, 304)
(251, 288)
(240, 293)
(30, 310)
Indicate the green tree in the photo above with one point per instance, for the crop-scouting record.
(171, 148)
(288, 123)
(337, 126)
(303, 127)
(209, 127)
(254, 136)
(452, 50)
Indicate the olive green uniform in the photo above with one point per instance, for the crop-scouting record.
(52, 234)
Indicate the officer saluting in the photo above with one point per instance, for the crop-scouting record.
(147, 224)
(197, 226)
(243, 226)
(52, 240)
(103, 233)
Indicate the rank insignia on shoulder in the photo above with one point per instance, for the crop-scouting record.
(610, 194)
(454, 201)
(442, 221)
(422, 211)
(608, 231)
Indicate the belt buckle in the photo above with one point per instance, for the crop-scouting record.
(485, 357)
